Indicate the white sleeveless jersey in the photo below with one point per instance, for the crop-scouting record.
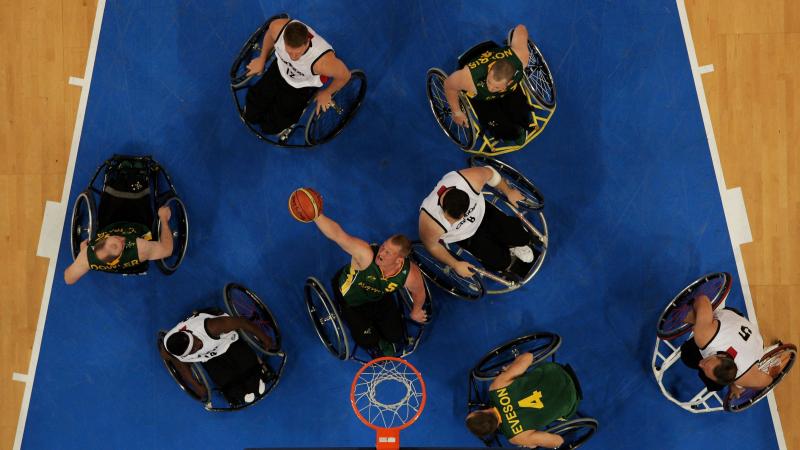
(211, 347)
(737, 337)
(465, 227)
(298, 73)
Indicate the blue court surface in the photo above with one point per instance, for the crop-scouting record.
(632, 204)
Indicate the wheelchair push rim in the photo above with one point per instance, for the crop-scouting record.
(83, 223)
(575, 432)
(464, 137)
(715, 286)
(542, 345)
(323, 127)
(242, 302)
(750, 397)
(322, 313)
(446, 277)
(538, 77)
(179, 225)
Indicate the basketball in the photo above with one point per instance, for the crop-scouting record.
(305, 204)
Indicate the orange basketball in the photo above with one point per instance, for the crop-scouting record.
(305, 204)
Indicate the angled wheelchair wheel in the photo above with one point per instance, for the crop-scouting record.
(84, 221)
(179, 224)
(538, 77)
(671, 322)
(197, 373)
(575, 432)
(347, 100)
(464, 137)
(778, 362)
(325, 318)
(534, 200)
(542, 345)
(244, 303)
(444, 276)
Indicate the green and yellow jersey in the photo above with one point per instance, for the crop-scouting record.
(535, 400)
(369, 285)
(479, 70)
(130, 253)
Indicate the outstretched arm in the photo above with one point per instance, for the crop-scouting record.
(330, 66)
(519, 43)
(515, 369)
(162, 248)
(225, 324)
(702, 316)
(429, 233)
(79, 267)
(359, 250)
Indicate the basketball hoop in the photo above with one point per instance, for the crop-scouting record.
(388, 395)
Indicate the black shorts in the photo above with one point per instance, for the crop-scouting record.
(236, 372)
(274, 104)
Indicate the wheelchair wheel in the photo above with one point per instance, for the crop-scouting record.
(575, 432)
(444, 276)
(671, 322)
(784, 355)
(541, 345)
(244, 303)
(197, 373)
(84, 223)
(534, 200)
(325, 318)
(179, 224)
(325, 126)
(464, 137)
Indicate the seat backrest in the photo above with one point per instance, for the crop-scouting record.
(475, 51)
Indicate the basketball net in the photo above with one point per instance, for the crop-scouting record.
(386, 417)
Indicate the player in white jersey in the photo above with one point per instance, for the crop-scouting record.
(455, 212)
(303, 62)
(214, 341)
(725, 348)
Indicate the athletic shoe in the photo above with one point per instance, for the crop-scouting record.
(524, 253)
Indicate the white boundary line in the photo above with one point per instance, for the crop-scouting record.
(51, 268)
(706, 69)
(737, 251)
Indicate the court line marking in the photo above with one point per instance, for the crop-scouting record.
(737, 215)
(75, 81)
(706, 69)
(21, 377)
(51, 268)
(49, 236)
(729, 219)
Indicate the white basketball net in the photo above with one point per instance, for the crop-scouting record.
(365, 398)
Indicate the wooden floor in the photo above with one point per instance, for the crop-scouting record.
(753, 95)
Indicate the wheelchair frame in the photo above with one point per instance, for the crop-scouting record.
(475, 139)
(706, 401)
(86, 203)
(240, 82)
(477, 284)
(480, 377)
(198, 369)
(343, 349)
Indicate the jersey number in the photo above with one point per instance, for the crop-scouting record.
(745, 333)
(532, 401)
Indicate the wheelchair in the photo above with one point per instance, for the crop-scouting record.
(537, 85)
(672, 332)
(238, 302)
(134, 187)
(311, 129)
(485, 282)
(575, 431)
(325, 314)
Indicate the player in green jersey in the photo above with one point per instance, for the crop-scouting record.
(365, 287)
(491, 81)
(120, 246)
(524, 402)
